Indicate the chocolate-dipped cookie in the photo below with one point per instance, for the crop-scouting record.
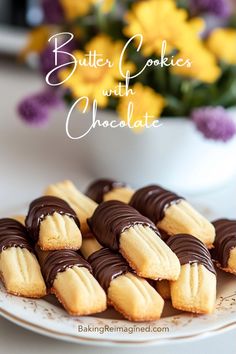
(80, 203)
(172, 213)
(69, 277)
(107, 189)
(19, 266)
(129, 294)
(195, 289)
(108, 265)
(53, 225)
(224, 251)
(120, 227)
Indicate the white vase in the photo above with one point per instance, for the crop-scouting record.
(174, 155)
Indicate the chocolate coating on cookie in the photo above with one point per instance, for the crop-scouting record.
(225, 240)
(189, 249)
(107, 265)
(42, 207)
(13, 234)
(59, 261)
(152, 201)
(113, 217)
(98, 188)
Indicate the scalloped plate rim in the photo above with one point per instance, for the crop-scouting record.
(226, 303)
(105, 342)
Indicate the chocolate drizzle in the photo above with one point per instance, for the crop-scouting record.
(189, 249)
(98, 188)
(58, 261)
(13, 234)
(107, 265)
(42, 207)
(152, 201)
(113, 217)
(225, 240)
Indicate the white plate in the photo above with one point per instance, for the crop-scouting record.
(47, 317)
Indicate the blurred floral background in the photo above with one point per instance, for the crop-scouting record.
(202, 30)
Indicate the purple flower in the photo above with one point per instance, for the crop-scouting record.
(34, 109)
(32, 112)
(214, 123)
(53, 12)
(221, 8)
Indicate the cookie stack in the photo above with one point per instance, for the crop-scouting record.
(186, 233)
(116, 246)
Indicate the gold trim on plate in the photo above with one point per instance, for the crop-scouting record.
(82, 340)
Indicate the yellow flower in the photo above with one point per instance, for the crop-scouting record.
(75, 8)
(222, 42)
(203, 64)
(78, 32)
(91, 81)
(159, 20)
(145, 101)
(37, 41)
(197, 24)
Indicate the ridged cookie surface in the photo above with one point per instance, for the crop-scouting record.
(70, 278)
(172, 213)
(19, 267)
(80, 203)
(53, 224)
(120, 227)
(195, 289)
(130, 295)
